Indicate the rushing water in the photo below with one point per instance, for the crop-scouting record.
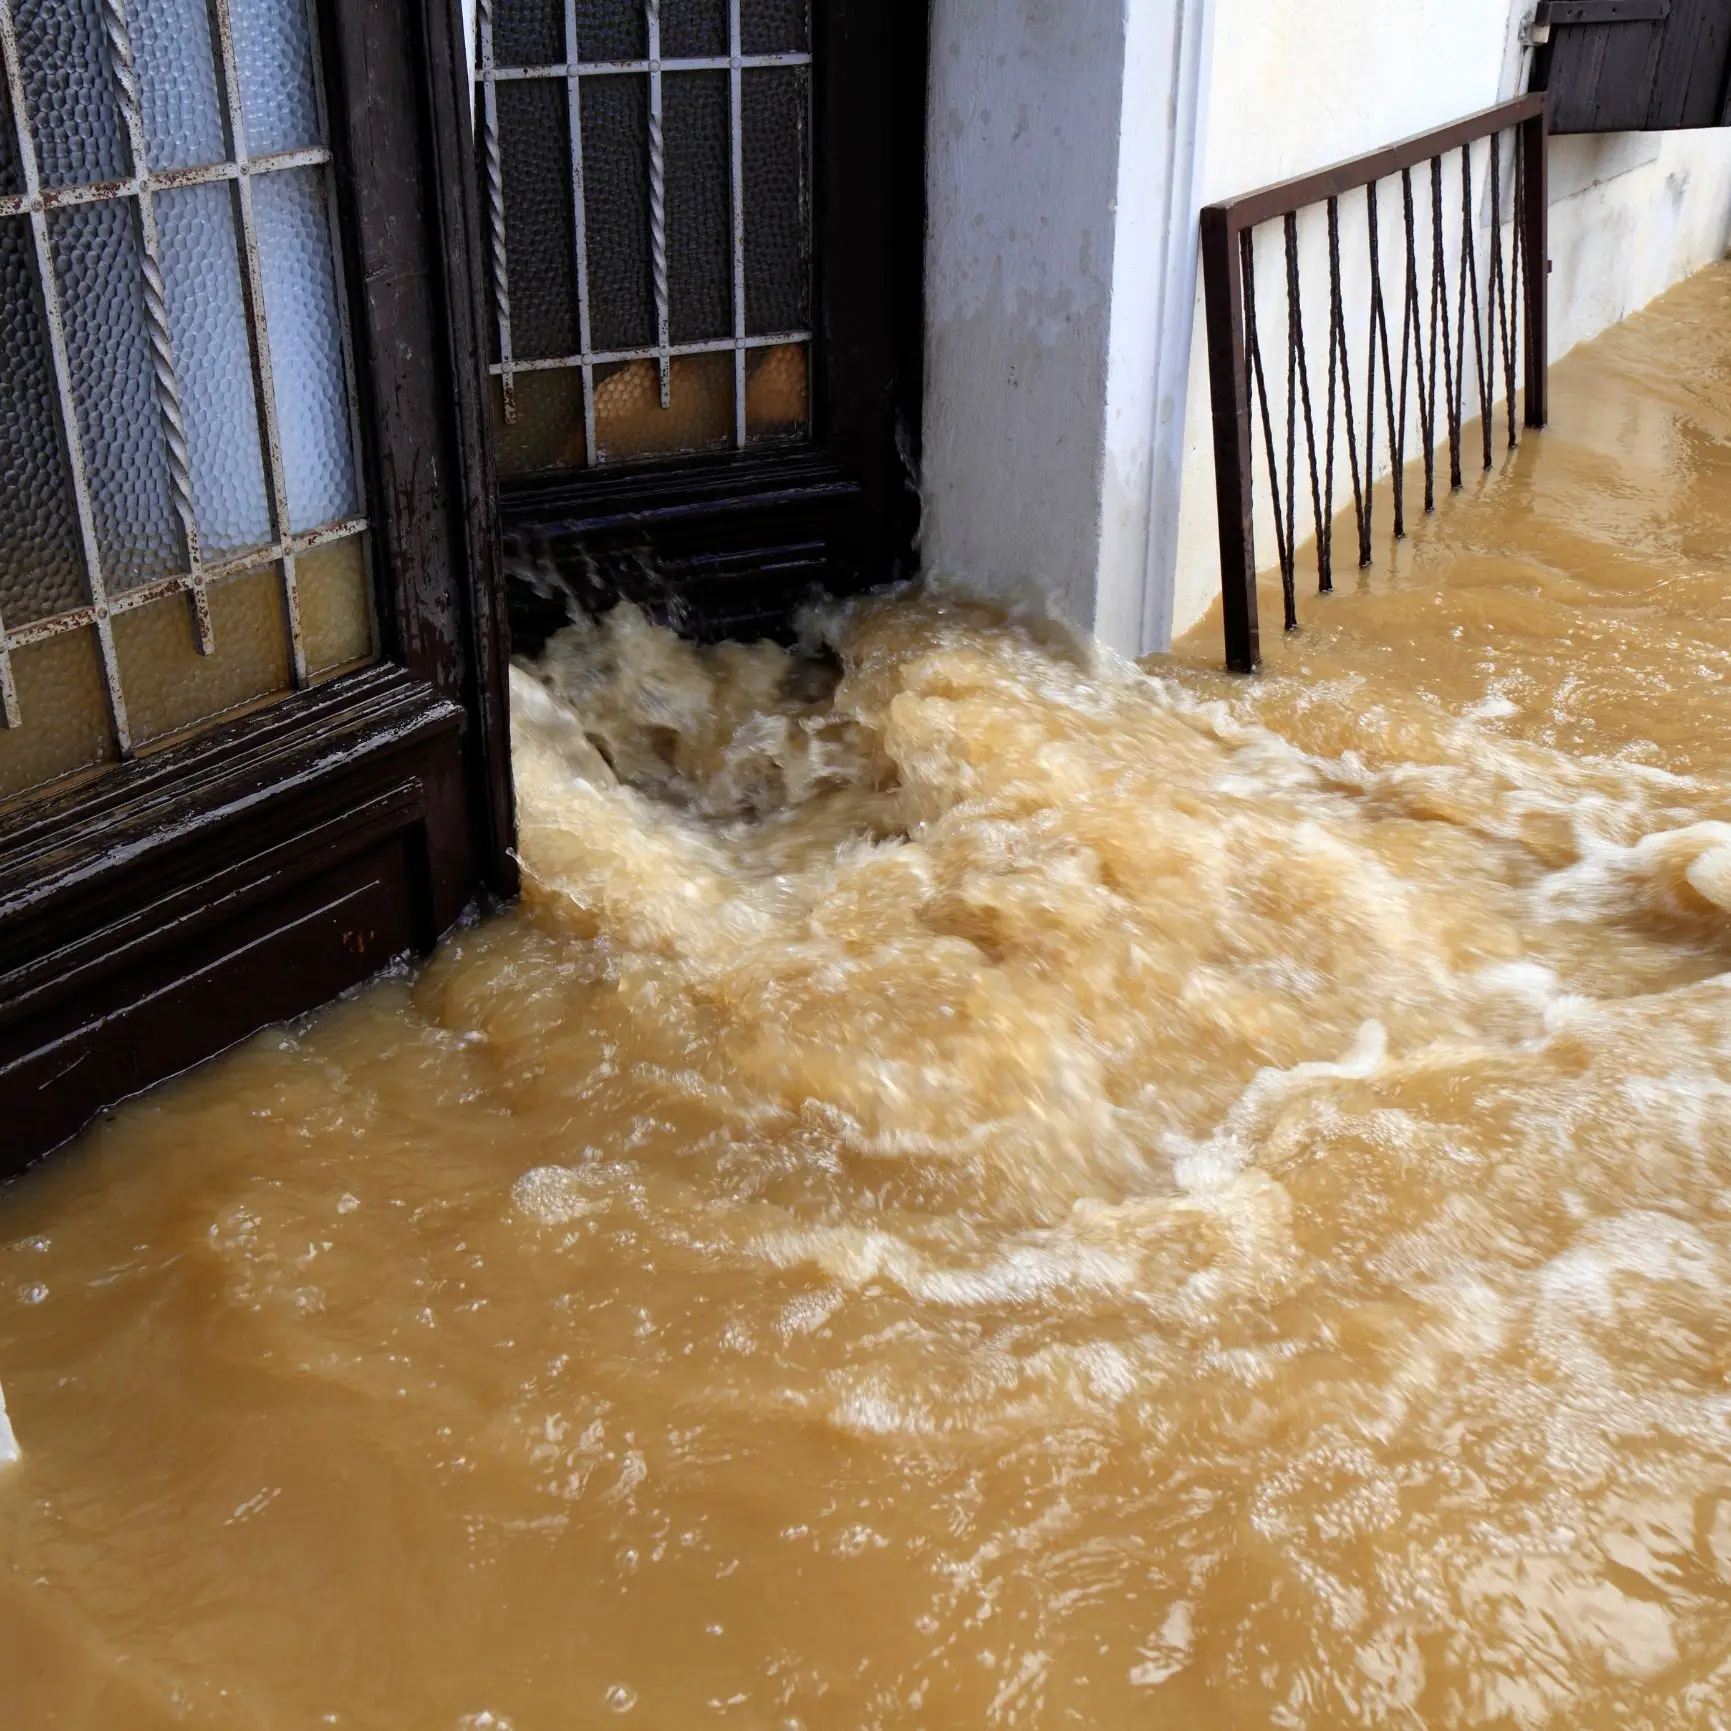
(982, 1186)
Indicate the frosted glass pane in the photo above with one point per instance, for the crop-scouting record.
(207, 318)
(616, 210)
(773, 110)
(693, 29)
(629, 418)
(775, 26)
(699, 205)
(11, 170)
(169, 686)
(540, 221)
(64, 711)
(336, 617)
(306, 346)
(273, 54)
(611, 30)
(528, 32)
(41, 562)
(777, 393)
(97, 260)
(171, 52)
(548, 430)
(70, 91)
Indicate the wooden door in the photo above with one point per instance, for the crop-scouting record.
(704, 234)
(251, 644)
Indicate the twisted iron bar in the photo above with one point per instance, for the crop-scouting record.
(1470, 275)
(658, 198)
(496, 210)
(1295, 335)
(165, 378)
(1259, 384)
(1337, 321)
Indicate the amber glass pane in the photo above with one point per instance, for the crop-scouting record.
(629, 418)
(62, 710)
(169, 686)
(777, 392)
(336, 605)
(548, 430)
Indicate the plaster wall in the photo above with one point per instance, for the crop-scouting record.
(1023, 139)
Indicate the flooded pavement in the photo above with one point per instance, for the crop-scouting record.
(982, 1186)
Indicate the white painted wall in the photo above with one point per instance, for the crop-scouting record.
(1064, 188)
(1057, 163)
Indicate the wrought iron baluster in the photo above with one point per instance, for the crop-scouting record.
(495, 163)
(1295, 306)
(1337, 322)
(658, 202)
(1253, 355)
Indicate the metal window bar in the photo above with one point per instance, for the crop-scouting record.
(35, 204)
(1237, 372)
(573, 70)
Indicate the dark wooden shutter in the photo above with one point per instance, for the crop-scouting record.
(1635, 65)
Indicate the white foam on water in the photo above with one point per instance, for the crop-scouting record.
(9, 1450)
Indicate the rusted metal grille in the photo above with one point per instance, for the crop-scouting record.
(580, 72)
(1458, 324)
(142, 189)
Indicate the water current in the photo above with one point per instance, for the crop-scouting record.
(982, 1185)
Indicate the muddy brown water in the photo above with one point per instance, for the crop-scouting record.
(1010, 1190)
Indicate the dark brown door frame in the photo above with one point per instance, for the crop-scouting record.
(166, 909)
(730, 545)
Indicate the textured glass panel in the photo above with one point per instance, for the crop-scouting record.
(693, 28)
(699, 205)
(540, 220)
(616, 183)
(775, 26)
(208, 320)
(528, 32)
(336, 615)
(294, 244)
(11, 170)
(98, 261)
(611, 30)
(169, 686)
(70, 90)
(777, 208)
(171, 50)
(64, 713)
(273, 53)
(629, 418)
(41, 561)
(548, 430)
(777, 392)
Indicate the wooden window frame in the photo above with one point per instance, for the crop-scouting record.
(160, 911)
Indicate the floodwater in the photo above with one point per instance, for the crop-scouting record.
(1009, 1190)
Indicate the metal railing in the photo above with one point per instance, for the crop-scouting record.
(1487, 314)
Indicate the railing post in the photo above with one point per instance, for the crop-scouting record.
(1536, 225)
(1229, 394)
